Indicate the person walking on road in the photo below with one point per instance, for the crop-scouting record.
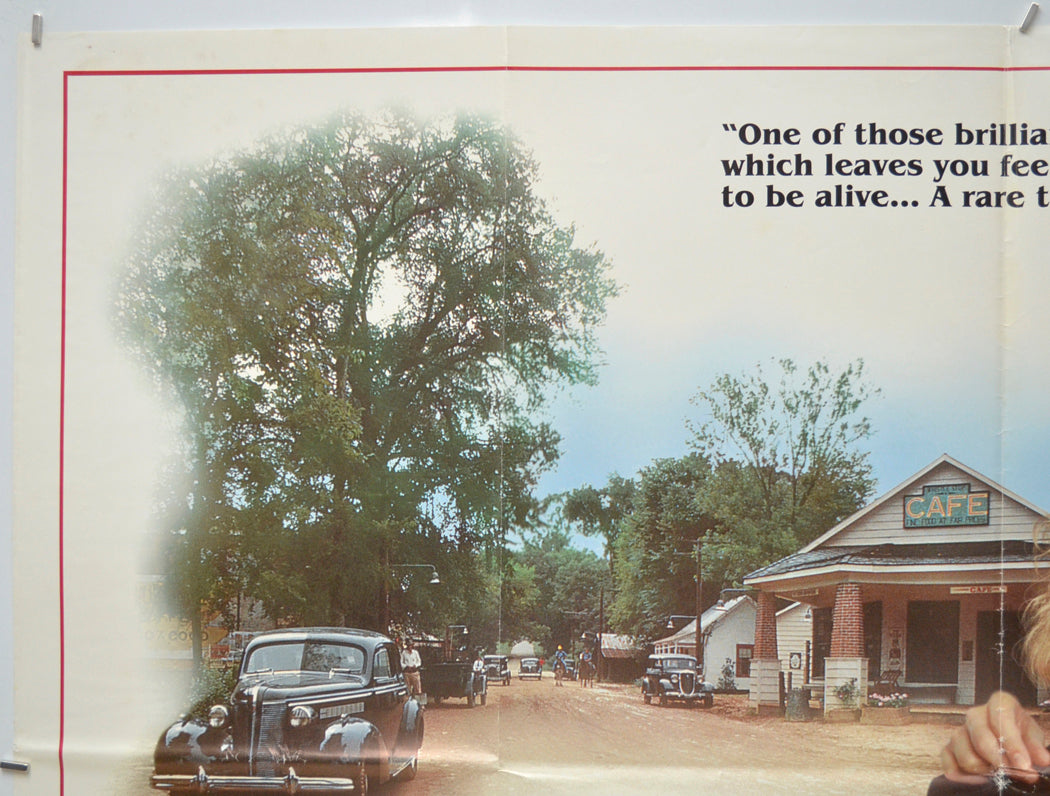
(411, 663)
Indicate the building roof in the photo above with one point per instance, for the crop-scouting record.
(900, 555)
(869, 545)
(710, 619)
(944, 458)
(615, 645)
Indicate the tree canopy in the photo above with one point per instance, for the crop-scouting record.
(359, 321)
(600, 511)
(775, 464)
(791, 446)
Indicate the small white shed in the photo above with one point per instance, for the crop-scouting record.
(728, 636)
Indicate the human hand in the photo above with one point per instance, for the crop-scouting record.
(998, 733)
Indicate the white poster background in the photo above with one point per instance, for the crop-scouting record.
(629, 128)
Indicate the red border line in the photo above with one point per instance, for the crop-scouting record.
(62, 447)
(522, 68)
(343, 71)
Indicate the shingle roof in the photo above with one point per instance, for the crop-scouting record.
(895, 555)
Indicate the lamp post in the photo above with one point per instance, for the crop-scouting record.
(434, 580)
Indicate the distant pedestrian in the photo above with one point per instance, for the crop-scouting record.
(411, 663)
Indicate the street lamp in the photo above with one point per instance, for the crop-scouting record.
(671, 619)
(434, 579)
(721, 604)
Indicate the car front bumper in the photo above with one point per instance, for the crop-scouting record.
(201, 782)
(670, 693)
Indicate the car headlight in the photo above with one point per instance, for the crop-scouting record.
(219, 716)
(302, 715)
(674, 679)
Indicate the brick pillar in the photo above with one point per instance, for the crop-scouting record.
(846, 662)
(847, 623)
(766, 628)
(764, 696)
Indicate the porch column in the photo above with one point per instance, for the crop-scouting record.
(847, 661)
(764, 696)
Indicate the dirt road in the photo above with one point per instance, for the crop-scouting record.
(534, 737)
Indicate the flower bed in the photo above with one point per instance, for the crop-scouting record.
(889, 709)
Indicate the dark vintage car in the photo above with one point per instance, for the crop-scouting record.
(314, 710)
(675, 678)
(497, 669)
(530, 667)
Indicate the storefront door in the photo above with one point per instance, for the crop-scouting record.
(998, 664)
(933, 641)
(822, 618)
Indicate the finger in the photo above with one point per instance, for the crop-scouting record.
(961, 767)
(1020, 739)
(1034, 739)
(961, 755)
(978, 746)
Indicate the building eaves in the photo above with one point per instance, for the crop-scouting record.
(896, 555)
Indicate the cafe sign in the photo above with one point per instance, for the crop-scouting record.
(945, 505)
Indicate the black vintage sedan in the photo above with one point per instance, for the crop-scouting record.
(674, 678)
(530, 667)
(497, 669)
(314, 710)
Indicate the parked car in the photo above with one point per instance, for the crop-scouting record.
(530, 667)
(313, 709)
(497, 669)
(675, 678)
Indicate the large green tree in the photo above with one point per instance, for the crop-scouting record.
(600, 511)
(656, 548)
(570, 583)
(359, 321)
(777, 462)
(787, 456)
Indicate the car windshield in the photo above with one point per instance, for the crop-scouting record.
(492, 659)
(309, 656)
(679, 663)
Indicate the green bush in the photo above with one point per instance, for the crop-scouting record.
(211, 687)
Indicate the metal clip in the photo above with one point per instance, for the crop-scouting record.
(38, 29)
(1029, 17)
(13, 765)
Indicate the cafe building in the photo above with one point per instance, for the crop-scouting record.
(923, 588)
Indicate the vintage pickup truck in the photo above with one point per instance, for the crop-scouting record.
(448, 669)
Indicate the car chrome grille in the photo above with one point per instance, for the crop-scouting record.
(687, 682)
(267, 739)
(270, 737)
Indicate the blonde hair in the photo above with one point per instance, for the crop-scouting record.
(1035, 649)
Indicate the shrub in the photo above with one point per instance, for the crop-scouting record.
(847, 693)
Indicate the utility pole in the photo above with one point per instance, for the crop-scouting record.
(699, 590)
(601, 630)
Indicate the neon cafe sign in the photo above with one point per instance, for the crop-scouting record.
(945, 505)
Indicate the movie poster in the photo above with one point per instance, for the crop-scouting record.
(329, 328)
